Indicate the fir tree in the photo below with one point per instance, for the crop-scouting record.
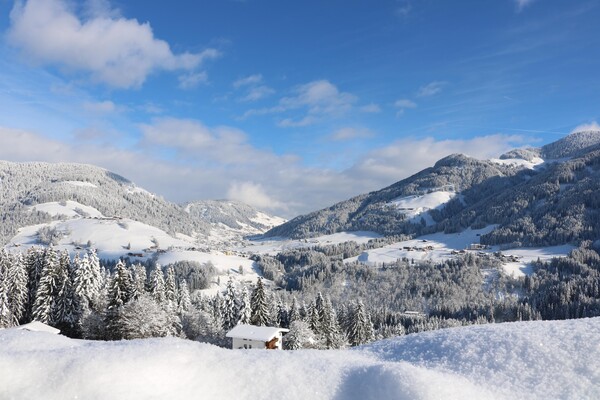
(6, 317)
(157, 285)
(64, 311)
(330, 328)
(139, 280)
(184, 303)
(120, 287)
(361, 329)
(34, 264)
(171, 286)
(245, 308)
(282, 315)
(51, 282)
(16, 283)
(230, 308)
(259, 306)
(294, 313)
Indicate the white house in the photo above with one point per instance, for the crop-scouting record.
(256, 337)
(37, 326)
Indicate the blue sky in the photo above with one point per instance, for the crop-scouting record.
(290, 106)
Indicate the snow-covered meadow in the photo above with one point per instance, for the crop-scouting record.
(523, 360)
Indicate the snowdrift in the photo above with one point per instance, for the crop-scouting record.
(527, 360)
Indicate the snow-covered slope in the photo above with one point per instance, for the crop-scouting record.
(524, 360)
(231, 221)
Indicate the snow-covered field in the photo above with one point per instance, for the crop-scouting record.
(440, 246)
(417, 206)
(518, 162)
(524, 360)
(276, 245)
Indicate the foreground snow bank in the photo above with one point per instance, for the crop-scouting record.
(533, 360)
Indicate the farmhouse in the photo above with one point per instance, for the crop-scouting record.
(256, 337)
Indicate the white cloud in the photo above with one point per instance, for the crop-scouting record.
(351, 133)
(247, 81)
(592, 126)
(431, 88)
(253, 194)
(404, 9)
(221, 163)
(402, 105)
(102, 107)
(257, 93)
(522, 4)
(318, 100)
(111, 49)
(408, 156)
(371, 108)
(192, 79)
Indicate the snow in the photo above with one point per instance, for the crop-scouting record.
(37, 326)
(267, 220)
(441, 247)
(110, 236)
(527, 255)
(276, 245)
(252, 332)
(223, 262)
(523, 360)
(81, 184)
(518, 162)
(414, 206)
(68, 208)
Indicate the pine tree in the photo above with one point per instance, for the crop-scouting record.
(157, 285)
(361, 329)
(64, 311)
(6, 317)
(230, 308)
(120, 287)
(330, 328)
(87, 282)
(16, 283)
(34, 264)
(245, 308)
(184, 303)
(49, 286)
(139, 280)
(294, 313)
(282, 315)
(259, 306)
(171, 286)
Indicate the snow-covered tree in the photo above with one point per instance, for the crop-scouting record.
(139, 280)
(245, 308)
(184, 302)
(171, 286)
(294, 313)
(66, 305)
(142, 318)
(119, 291)
(157, 285)
(361, 328)
(282, 315)
(259, 305)
(16, 282)
(330, 328)
(51, 282)
(301, 336)
(6, 317)
(230, 307)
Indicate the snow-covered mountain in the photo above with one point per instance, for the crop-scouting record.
(231, 221)
(76, 205)
(532, 202)
(521, 360)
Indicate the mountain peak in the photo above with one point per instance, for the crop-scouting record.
(571, 144)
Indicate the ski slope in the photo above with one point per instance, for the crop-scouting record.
(522, 360)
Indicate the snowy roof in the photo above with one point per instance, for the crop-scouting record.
(252, 332)
(37, 326)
